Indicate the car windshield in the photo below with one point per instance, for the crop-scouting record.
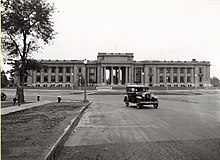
(136, 89)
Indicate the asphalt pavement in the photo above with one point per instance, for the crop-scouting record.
(183, 127)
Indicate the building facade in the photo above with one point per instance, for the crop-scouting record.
(120, 69)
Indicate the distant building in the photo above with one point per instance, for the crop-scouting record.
(121, 69)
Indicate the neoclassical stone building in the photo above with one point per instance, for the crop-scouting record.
(120, 69)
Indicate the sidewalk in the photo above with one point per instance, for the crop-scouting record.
(12, 109)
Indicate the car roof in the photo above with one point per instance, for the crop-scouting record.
(136, 86)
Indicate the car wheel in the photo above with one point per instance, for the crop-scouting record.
(3, 97)
(138, 105)
(155, 105)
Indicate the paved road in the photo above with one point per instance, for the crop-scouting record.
(181, 128)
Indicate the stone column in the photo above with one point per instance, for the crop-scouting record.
(154, 75)
(171, 75)
(192, 76)
(49, 75)
(75, 72)
(126, 75)
(41, 76)
(142, 76)
(95, 75)
(104, 75)
(57, 75)
(204, 75)
(111, 73)
(178, 75)
(135, 71)
(185, 75)
(208, 74)
(146, 73)
(34, 76)
(101, 75)
(158, 75)
(98, 75)
(164, 75)
(132, 74)
(119, 75)
(64, 74)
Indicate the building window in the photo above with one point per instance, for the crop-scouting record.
(45, 78)
(38, 78)
(60, 78)
(188, 70)
(38, 70)
(200, 70)
(181, 79)
(161, 70)
(168, 70)
(174, 79)
(174, 70)
(67, 69)
(200, 78)
(150, 79)
(188, 79)
(67, 78)
(53, 69)
(53, 78)
(79, 69)
(91, 77)
(161, 79)
(182, 70)
(168, 80)
(60, 69)
(150, 70)
(138, 75)
(45, 70)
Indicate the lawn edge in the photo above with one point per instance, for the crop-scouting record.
(59, 143)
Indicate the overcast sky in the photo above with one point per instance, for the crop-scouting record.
(151, 29)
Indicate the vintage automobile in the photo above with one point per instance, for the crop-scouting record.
(140, 95)
(3, 96)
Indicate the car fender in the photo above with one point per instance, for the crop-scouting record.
(139, 97)
(126, 98)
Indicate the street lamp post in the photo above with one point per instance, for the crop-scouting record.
(142, 77)
(72, 81)
(80, 83)
(196, 82)
(85, 63)
(167, 82)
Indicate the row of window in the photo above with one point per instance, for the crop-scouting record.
(60, 70)
(168, 70)
(175, 79)
(52, 85)
(61, 80)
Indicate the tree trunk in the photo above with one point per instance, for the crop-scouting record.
(22, 78)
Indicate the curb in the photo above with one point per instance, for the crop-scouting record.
(59, 143)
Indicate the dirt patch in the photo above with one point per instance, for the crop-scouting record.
(31, 133)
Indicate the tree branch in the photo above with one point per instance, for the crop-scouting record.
(16, 45)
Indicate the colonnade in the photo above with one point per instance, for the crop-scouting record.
(121, 75)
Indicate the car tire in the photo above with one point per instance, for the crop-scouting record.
(3, 97)
(139, 105)
(155, 106)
